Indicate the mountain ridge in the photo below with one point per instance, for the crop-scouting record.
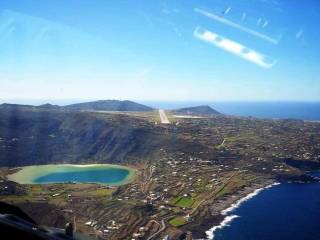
(109, 105)
(99, 105)
(204, 110)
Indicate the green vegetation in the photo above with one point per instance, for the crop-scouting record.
(222, 191)
(17, 199)
(109, 105)
(200, 187)
(207, 158)
(177, 221)
(100, 192)
(245, 137)
(183, 202)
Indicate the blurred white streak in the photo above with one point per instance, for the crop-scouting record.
(299, 34)
(237, 26)
(265, 24)
(227, 10)
(259, 21)
(234, 47)
(243, 17)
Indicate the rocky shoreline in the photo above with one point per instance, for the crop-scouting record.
(201, 227)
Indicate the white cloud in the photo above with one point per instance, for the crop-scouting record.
(234, 48)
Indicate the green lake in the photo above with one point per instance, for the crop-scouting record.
(61, 173)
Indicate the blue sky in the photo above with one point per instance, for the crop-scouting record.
(150, 50)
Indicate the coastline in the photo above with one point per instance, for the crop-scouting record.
(27, 174)
(227, 219)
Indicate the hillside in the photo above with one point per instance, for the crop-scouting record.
(203, 110)
(12, 107)
(101, 105)
(33, 136)
(49, 106)
(109, 105)
(217, 159)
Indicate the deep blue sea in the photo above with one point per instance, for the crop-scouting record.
(283, 212)
(295, 110)
(288, 211)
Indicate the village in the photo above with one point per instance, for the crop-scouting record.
(180, 188)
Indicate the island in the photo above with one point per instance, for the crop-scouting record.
(187, 172)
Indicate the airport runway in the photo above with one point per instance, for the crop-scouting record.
(163, 117)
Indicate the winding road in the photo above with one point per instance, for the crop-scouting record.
(163, 227)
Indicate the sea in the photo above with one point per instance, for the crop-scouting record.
(279, 212)
(274, 109)
(262, 109)
(286, 211)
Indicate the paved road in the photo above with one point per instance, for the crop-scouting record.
(163, 227)
(163, 117)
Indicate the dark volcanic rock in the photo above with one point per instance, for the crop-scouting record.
(44, 214)
(30, 137)
(11, 188)
(303, 164)
(198, 229)
(302, 178)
